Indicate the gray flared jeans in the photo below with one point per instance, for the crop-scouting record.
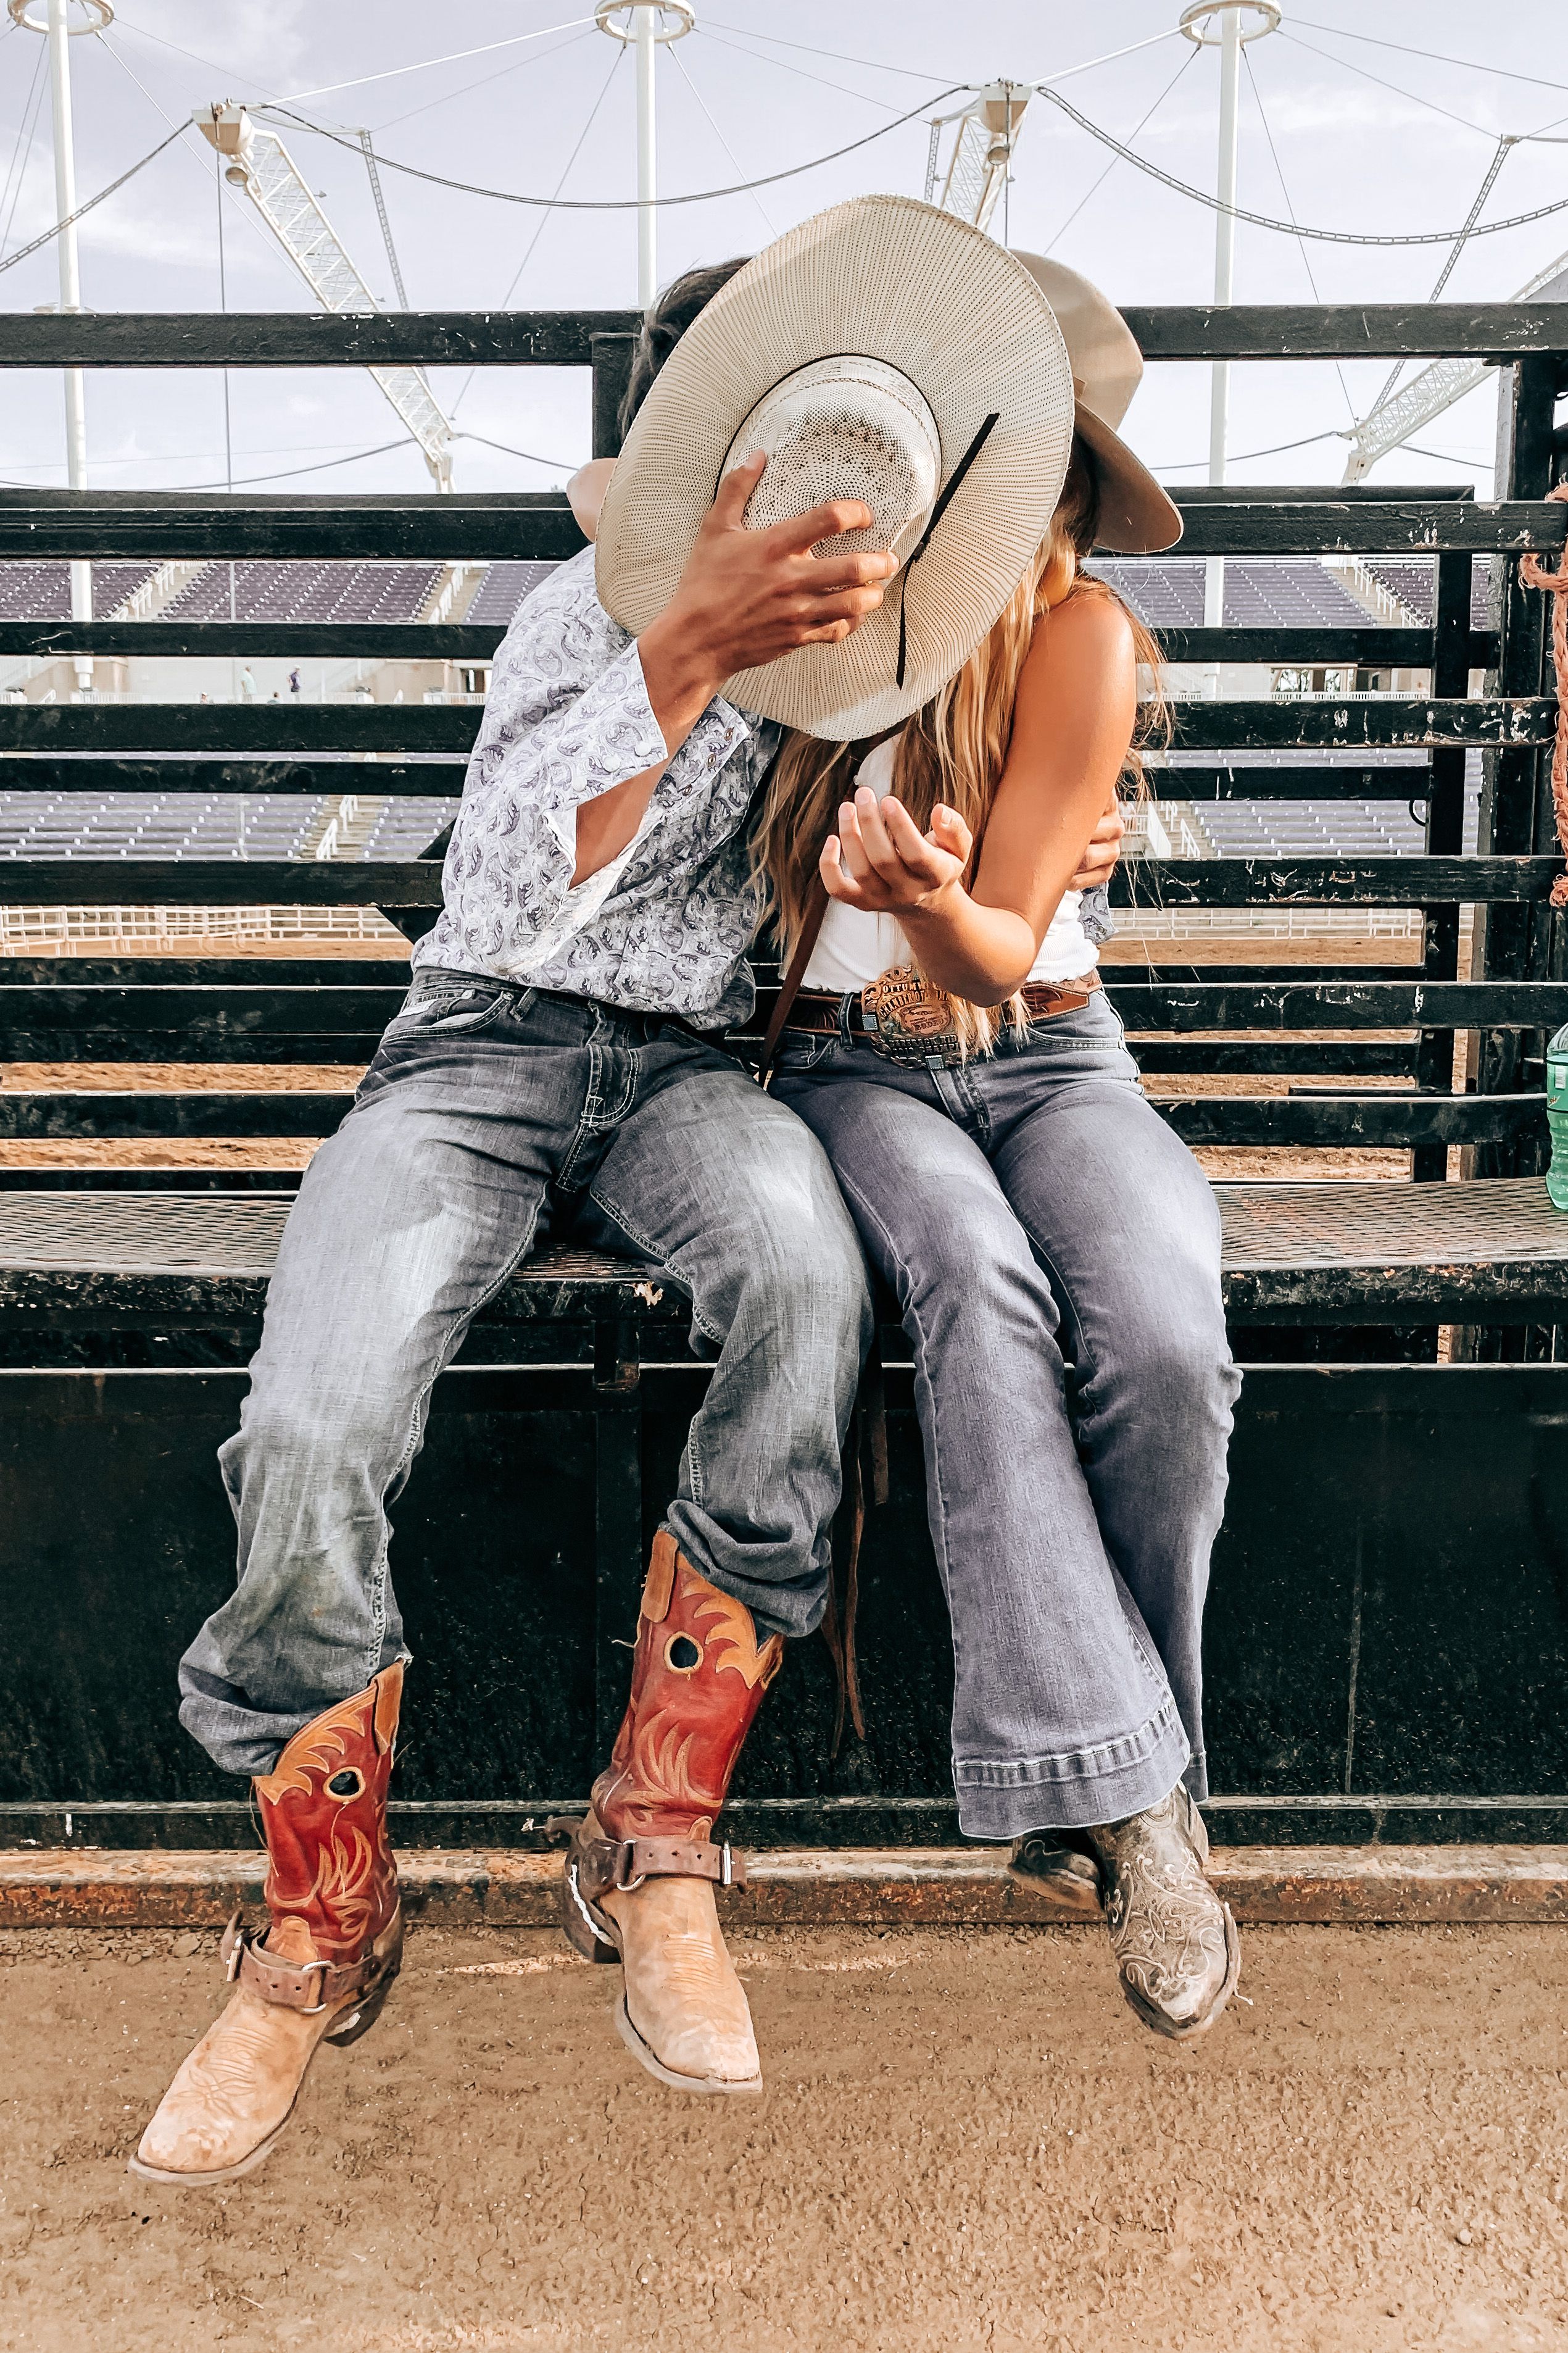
(1054, 1250)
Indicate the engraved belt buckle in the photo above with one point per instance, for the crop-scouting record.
(908, 1021)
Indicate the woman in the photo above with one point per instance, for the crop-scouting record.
(1052, 1248)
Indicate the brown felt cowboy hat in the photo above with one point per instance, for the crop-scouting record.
(1136, 517)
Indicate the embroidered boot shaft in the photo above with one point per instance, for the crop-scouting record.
(639, 1877)
(323, 1814)
(698, 1681)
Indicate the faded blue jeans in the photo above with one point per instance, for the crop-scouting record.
(1055, 1252)
(493, 1116)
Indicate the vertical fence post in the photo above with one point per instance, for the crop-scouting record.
(1444, 839)
(1516, 808)
(611, 372)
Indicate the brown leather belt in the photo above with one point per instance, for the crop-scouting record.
(823, 1010)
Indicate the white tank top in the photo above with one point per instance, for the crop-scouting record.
(853, 947)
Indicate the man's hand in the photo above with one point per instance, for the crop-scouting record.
(747, 597)
(1099, 859)
(881, 861)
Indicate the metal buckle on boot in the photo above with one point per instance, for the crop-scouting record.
(622, 1886)
(726, 1866)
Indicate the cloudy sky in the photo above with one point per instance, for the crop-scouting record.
(1366, 116)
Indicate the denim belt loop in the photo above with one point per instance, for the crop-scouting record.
(845, 1003)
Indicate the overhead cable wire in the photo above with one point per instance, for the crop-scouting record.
(1482, 130)
(545, 223)
(1095, 185)
(810, 48)
(1300, 245)
(1432, 56)
(93, 202)
(197, 156)
(677, 59)
(756, 58)
(630, 204)
(21, 154)
(485, 81)
(326, 89)
(1289, 228)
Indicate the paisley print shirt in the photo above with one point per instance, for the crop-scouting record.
(665, 926)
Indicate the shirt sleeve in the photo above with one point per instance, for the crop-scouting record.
(568, 715)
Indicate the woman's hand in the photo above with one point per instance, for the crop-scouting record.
(1099, 862)
(880, 861)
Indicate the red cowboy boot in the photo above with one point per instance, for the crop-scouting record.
(642, 1868)
(331, 1949)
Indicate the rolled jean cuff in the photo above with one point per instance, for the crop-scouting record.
(790, 1604)
(1078, 1787)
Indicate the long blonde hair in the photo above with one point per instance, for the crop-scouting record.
(955, 747)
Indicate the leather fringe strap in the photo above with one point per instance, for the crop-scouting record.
(1534, 574)
(864, 1471)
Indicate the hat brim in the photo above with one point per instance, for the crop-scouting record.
(883, 277)
(1136, 517)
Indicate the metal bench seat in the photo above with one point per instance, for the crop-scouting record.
(1296, 1253)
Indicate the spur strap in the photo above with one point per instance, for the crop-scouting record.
(605, 1865)
(307, 1985)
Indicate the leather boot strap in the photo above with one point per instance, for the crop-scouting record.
(605, 1865)
(307, 1985)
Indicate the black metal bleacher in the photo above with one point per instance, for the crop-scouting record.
(129, 1297)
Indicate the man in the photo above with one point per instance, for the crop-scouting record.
(555, 1070)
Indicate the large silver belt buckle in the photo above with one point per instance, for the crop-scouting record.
(908, 1021)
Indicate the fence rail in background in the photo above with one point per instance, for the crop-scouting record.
(1345, 1595)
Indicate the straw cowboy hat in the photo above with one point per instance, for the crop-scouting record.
(883, 351)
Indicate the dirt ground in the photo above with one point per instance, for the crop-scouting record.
(966, 2142)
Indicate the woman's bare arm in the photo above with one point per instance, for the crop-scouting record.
(1074, 719)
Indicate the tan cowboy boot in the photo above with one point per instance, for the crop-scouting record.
(1175, 1943)
(642, 1868)
(332, 1950)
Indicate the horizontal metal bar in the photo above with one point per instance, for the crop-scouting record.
(119, 525)
(1378, 1122)
(1163, 882)
(1410, 648)
(285, 727)
(1396, 723)
(217, 883)
(151, 974)
(262, 1007)
(455, 641)
(1375, 1121)
(309, 339)
(1299, 331)
(1184, 1008)
(258, 1112)
(1290, 781)
(440, 778)
(462, 641)
(25, 1037)
(1394, 527)
(1260, 330)
(92, 1180)
(1393, 723)
(102, 524)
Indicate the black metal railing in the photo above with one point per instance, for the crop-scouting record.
(1518, 988)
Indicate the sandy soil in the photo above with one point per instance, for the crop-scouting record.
(967, 2142)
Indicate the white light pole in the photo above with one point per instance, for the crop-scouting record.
(58, 31)
(1239, 21)
(644, 28)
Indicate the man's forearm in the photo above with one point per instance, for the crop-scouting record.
(679, 677)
